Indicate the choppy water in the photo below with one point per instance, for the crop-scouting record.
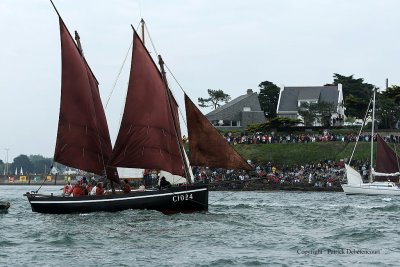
(240, 229)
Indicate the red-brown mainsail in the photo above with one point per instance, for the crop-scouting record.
(147, 137)
(387, 160)
(207, 147)
(83, 139)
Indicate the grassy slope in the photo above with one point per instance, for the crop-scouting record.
(295, 154)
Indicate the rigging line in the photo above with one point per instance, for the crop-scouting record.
(45, 178)
(176, 80)
(151, 40)
(155, 51)
(359, 133)
(339, 152)
(120, 71)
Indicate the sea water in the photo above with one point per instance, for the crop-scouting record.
(270, 228)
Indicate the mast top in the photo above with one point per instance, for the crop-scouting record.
(78, 42)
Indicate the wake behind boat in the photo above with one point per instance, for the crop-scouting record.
(149, 137)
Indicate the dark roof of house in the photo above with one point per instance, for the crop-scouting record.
(291, 95)
(230, 104)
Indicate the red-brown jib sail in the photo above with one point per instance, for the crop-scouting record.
(206, 145)
(83, 139)
(147, 137)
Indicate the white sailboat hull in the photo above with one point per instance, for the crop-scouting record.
(371, 189)
(355, 185)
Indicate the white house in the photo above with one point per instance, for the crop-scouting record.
(291, 98)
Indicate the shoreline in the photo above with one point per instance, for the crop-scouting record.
(249, 185)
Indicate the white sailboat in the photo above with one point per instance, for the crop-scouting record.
(387, 165)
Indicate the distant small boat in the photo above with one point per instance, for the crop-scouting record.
(4, 205)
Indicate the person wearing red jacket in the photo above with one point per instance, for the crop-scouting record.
(77, 190)
(99, 189)
(127, 187)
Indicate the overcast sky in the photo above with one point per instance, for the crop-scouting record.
(218, 44)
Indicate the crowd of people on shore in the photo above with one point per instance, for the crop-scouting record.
(273, 138)
(325, 174)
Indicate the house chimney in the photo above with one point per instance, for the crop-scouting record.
(249, 91)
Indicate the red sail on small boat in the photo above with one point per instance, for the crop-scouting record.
(206, 145)
(147, 137)
(83, 139)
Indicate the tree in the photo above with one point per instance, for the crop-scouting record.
(320, 112)
(356, 94)
(268, 97)
(216, 96)
(40, 163)
(387, 107)
(325, 110)
(307, 111)
(274, 123)
(22, 161)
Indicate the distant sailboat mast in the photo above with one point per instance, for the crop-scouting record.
(372, 137)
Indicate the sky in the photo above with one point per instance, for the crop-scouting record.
(232, 45)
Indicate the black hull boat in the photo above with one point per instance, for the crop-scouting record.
(181, 199)
(4, 206)
(149, 137)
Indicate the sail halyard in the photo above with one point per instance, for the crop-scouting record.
(206, 145)
(83, 140)
(146, 132)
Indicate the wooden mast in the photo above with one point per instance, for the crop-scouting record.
(142, 24)
(178, 138)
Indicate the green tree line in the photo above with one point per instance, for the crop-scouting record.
(33, 164)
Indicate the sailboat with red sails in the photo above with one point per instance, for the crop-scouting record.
(149, 137)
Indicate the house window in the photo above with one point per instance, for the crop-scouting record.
(221, 123)
(247, 109)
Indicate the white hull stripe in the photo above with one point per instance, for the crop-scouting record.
(373, 188)
(115, 199)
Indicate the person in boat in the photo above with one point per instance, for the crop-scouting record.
(93, 191)
(89, 187)
(67, 188)
(99, 189)
(164, 183)
(126, 187)
(77, 190)
(84, 185)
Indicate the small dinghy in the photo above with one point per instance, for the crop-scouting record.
(4, 206)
